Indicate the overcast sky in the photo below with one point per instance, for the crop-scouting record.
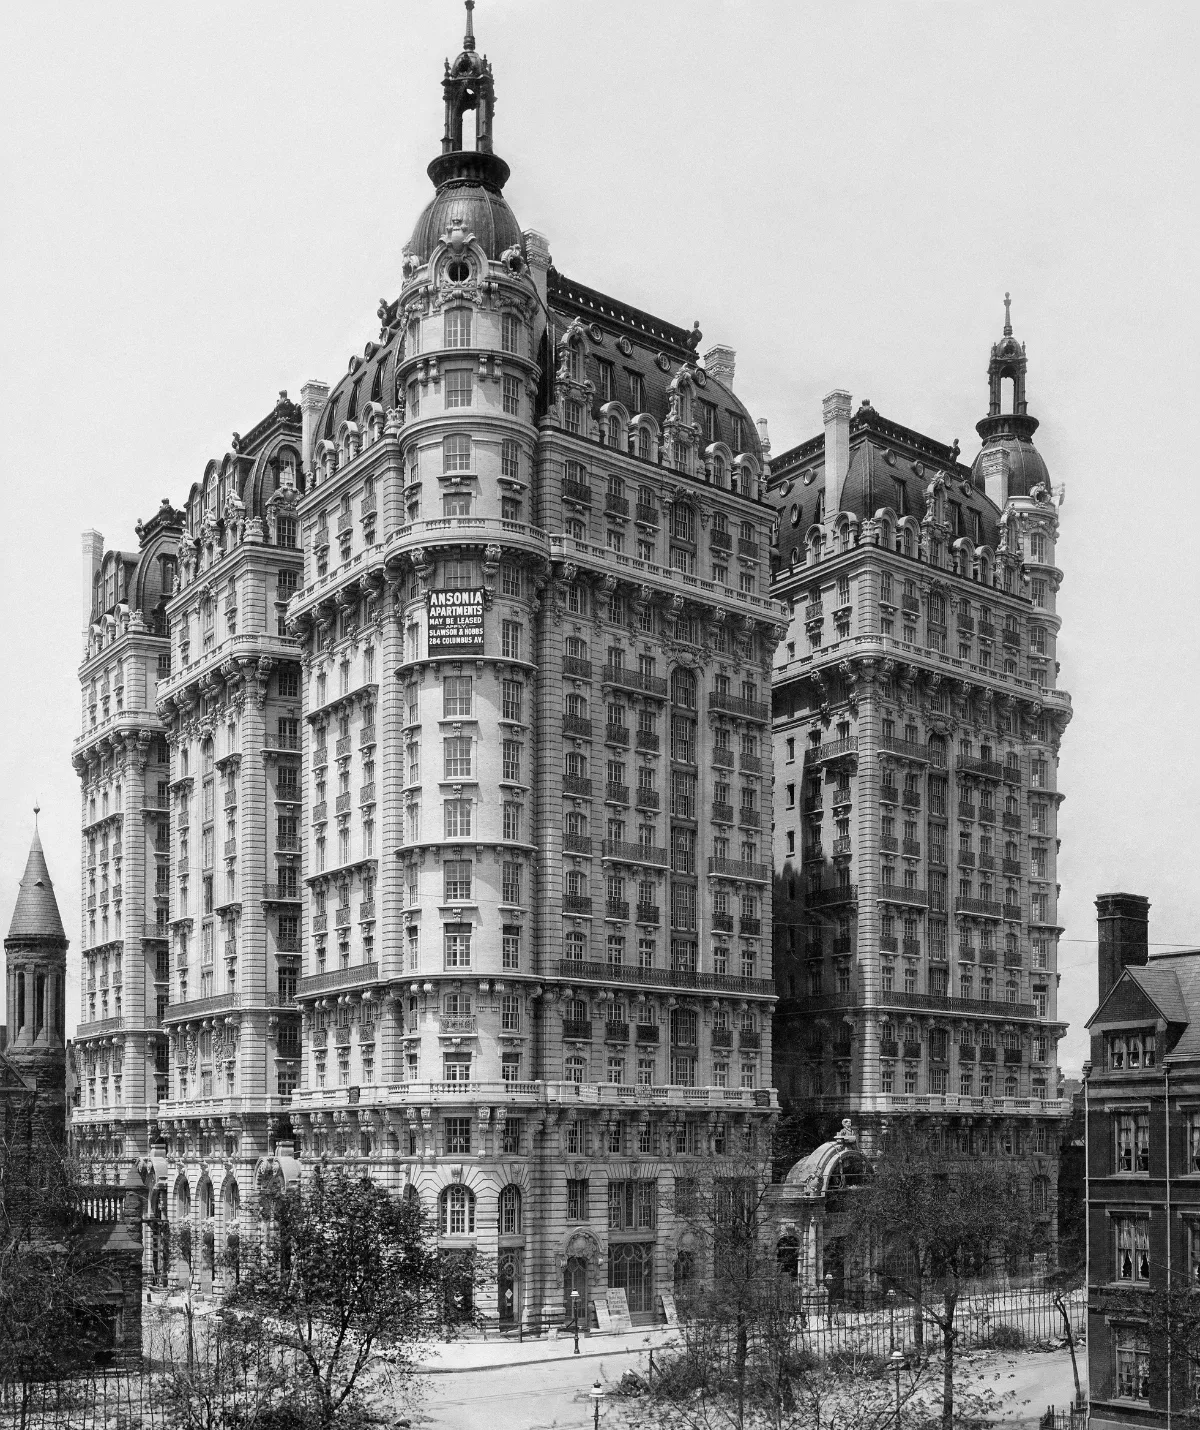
(202, 204)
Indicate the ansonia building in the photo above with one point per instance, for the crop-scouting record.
(427, 775)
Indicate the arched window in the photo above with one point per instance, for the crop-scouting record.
(576, 530)
(576, 946)
(719, 471)
(457, 1211)
(614, 430)
(574, 1068)
(510, 1211)
(643, 443)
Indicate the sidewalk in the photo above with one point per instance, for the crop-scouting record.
(499, 1352)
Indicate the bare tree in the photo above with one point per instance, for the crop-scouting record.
(933, 1223)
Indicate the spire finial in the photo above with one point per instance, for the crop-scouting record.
(1007, 316)
(469, 37)
(37, 809)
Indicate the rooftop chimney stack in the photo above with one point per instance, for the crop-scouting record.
(836, 411)
(1122, 923)
(719, 362)
(93, 555)
(312, 399)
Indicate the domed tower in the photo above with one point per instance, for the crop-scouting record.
(35, 955)
(533, 527)
(1020, 468)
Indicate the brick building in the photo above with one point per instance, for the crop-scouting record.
(1142, 1089)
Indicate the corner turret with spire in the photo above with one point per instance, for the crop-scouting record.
(35, 956)
(1008, 464)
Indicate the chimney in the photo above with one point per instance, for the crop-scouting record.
(719, 362)
(1122, 923)
(836, 411)
(313, 394)
(93, 554)
(993, 468)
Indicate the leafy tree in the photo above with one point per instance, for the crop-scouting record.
(233, 1375)
(352, 1278)
(50, 1277)
(933, 1222)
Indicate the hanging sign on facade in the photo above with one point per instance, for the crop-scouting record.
(456, 622)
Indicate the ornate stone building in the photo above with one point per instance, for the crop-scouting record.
(231, 709)
(536, 635)
(916, 728)
(500, 771)
(122, 760)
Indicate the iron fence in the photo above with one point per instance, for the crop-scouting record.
(1005, 1319)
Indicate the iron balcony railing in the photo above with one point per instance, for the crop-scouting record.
(738, 705)
(831, 750)
(628, 679)
(581, 971)
(739, 869)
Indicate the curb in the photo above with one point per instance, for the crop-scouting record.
(541, 1360)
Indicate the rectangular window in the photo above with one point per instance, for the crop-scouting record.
(577, 1198)
(458, 818)
(510, 640)
(512, 395)
(1132, 1235)
(458, 757)
(510, 333)
(458, 879)
(458, 945)
(458, 387)
(510, 460)
(457, 693)
(458, 328)
(511, 948)
(458, 1133)
(456, 452)
(1132, 1369)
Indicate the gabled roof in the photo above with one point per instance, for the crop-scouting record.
(36, 914)
(1167, 987)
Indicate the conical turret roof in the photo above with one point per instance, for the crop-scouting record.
(36, 914)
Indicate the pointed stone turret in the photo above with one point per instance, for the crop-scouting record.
(36, 914)
(35, 957)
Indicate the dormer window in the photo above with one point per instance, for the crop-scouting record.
(1132, 1052)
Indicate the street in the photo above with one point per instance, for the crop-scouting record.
(555, 1394)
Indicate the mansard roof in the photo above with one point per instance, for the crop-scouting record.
(657, 352)
(36, 915)
(890, 466)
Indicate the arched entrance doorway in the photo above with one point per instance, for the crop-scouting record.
(575, 1288)
(508, 1286)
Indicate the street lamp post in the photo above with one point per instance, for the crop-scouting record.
(891, 1300)
(575, 1321)
(896, 1363)
(597, 1394)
